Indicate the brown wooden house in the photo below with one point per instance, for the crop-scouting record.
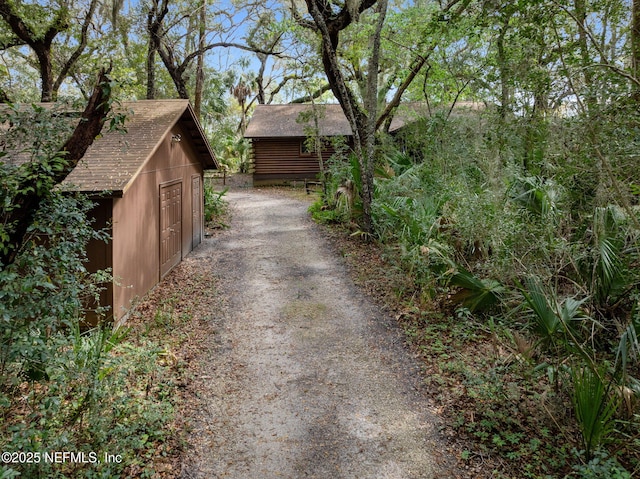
(278, 135)
(148, 186)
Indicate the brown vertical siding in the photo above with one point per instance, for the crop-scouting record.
(100, 253)
(136, 225)
(197, 206)
(279, 159)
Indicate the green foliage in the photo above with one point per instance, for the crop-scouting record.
(602, 268)
(215, 207)
(628, 349)
(340, 201)
(99, 399)
(57, 379)
(322, 214)
(554, 225)
(601, 466)
(45, 290)
(595, 407)
(553, 320)
(535, 194)
(233, 153)
(476, 294)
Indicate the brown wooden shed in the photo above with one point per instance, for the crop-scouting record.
(148, 186)
(278, 134)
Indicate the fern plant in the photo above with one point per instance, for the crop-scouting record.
(554, 321)
(602, 269)
(594, 406)
(628, 352)
(535, 194)
(476, 294)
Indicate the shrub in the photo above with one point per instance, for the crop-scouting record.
(215, 207)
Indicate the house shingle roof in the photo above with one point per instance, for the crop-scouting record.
(113, 161)
(273, 121)
(283, 121)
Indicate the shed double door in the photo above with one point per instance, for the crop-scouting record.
(170, 226)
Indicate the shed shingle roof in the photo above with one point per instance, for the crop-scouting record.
(113, 161)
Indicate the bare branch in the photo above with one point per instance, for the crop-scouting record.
(80, 49)
(239, 46)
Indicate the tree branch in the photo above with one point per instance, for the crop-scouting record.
(418, 63)
(90, 126)
(18, 27)
(345, 17)
(78, 51)
(313, 95)
(14, 42)
(189, 58)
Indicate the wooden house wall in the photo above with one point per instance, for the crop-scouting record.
(99, 253)
(136, 219)
(278, 160)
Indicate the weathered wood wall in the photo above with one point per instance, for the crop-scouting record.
(279, 160)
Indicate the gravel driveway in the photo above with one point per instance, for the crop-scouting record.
(306, 377)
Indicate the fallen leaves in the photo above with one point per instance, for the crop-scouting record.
(181, 313)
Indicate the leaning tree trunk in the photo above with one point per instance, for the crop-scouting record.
(329, 28)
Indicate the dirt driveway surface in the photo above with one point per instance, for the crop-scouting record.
(307, 377)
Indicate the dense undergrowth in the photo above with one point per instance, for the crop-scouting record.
(66, 388)
(517, 239)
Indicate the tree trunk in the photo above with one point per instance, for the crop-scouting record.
(329, 28)
(635, 45)
(42, 43)
(46, 74)
(197, 102)
(176, 72)
(151, 72)
(155, 17)
(371, 107)
(261, 95)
